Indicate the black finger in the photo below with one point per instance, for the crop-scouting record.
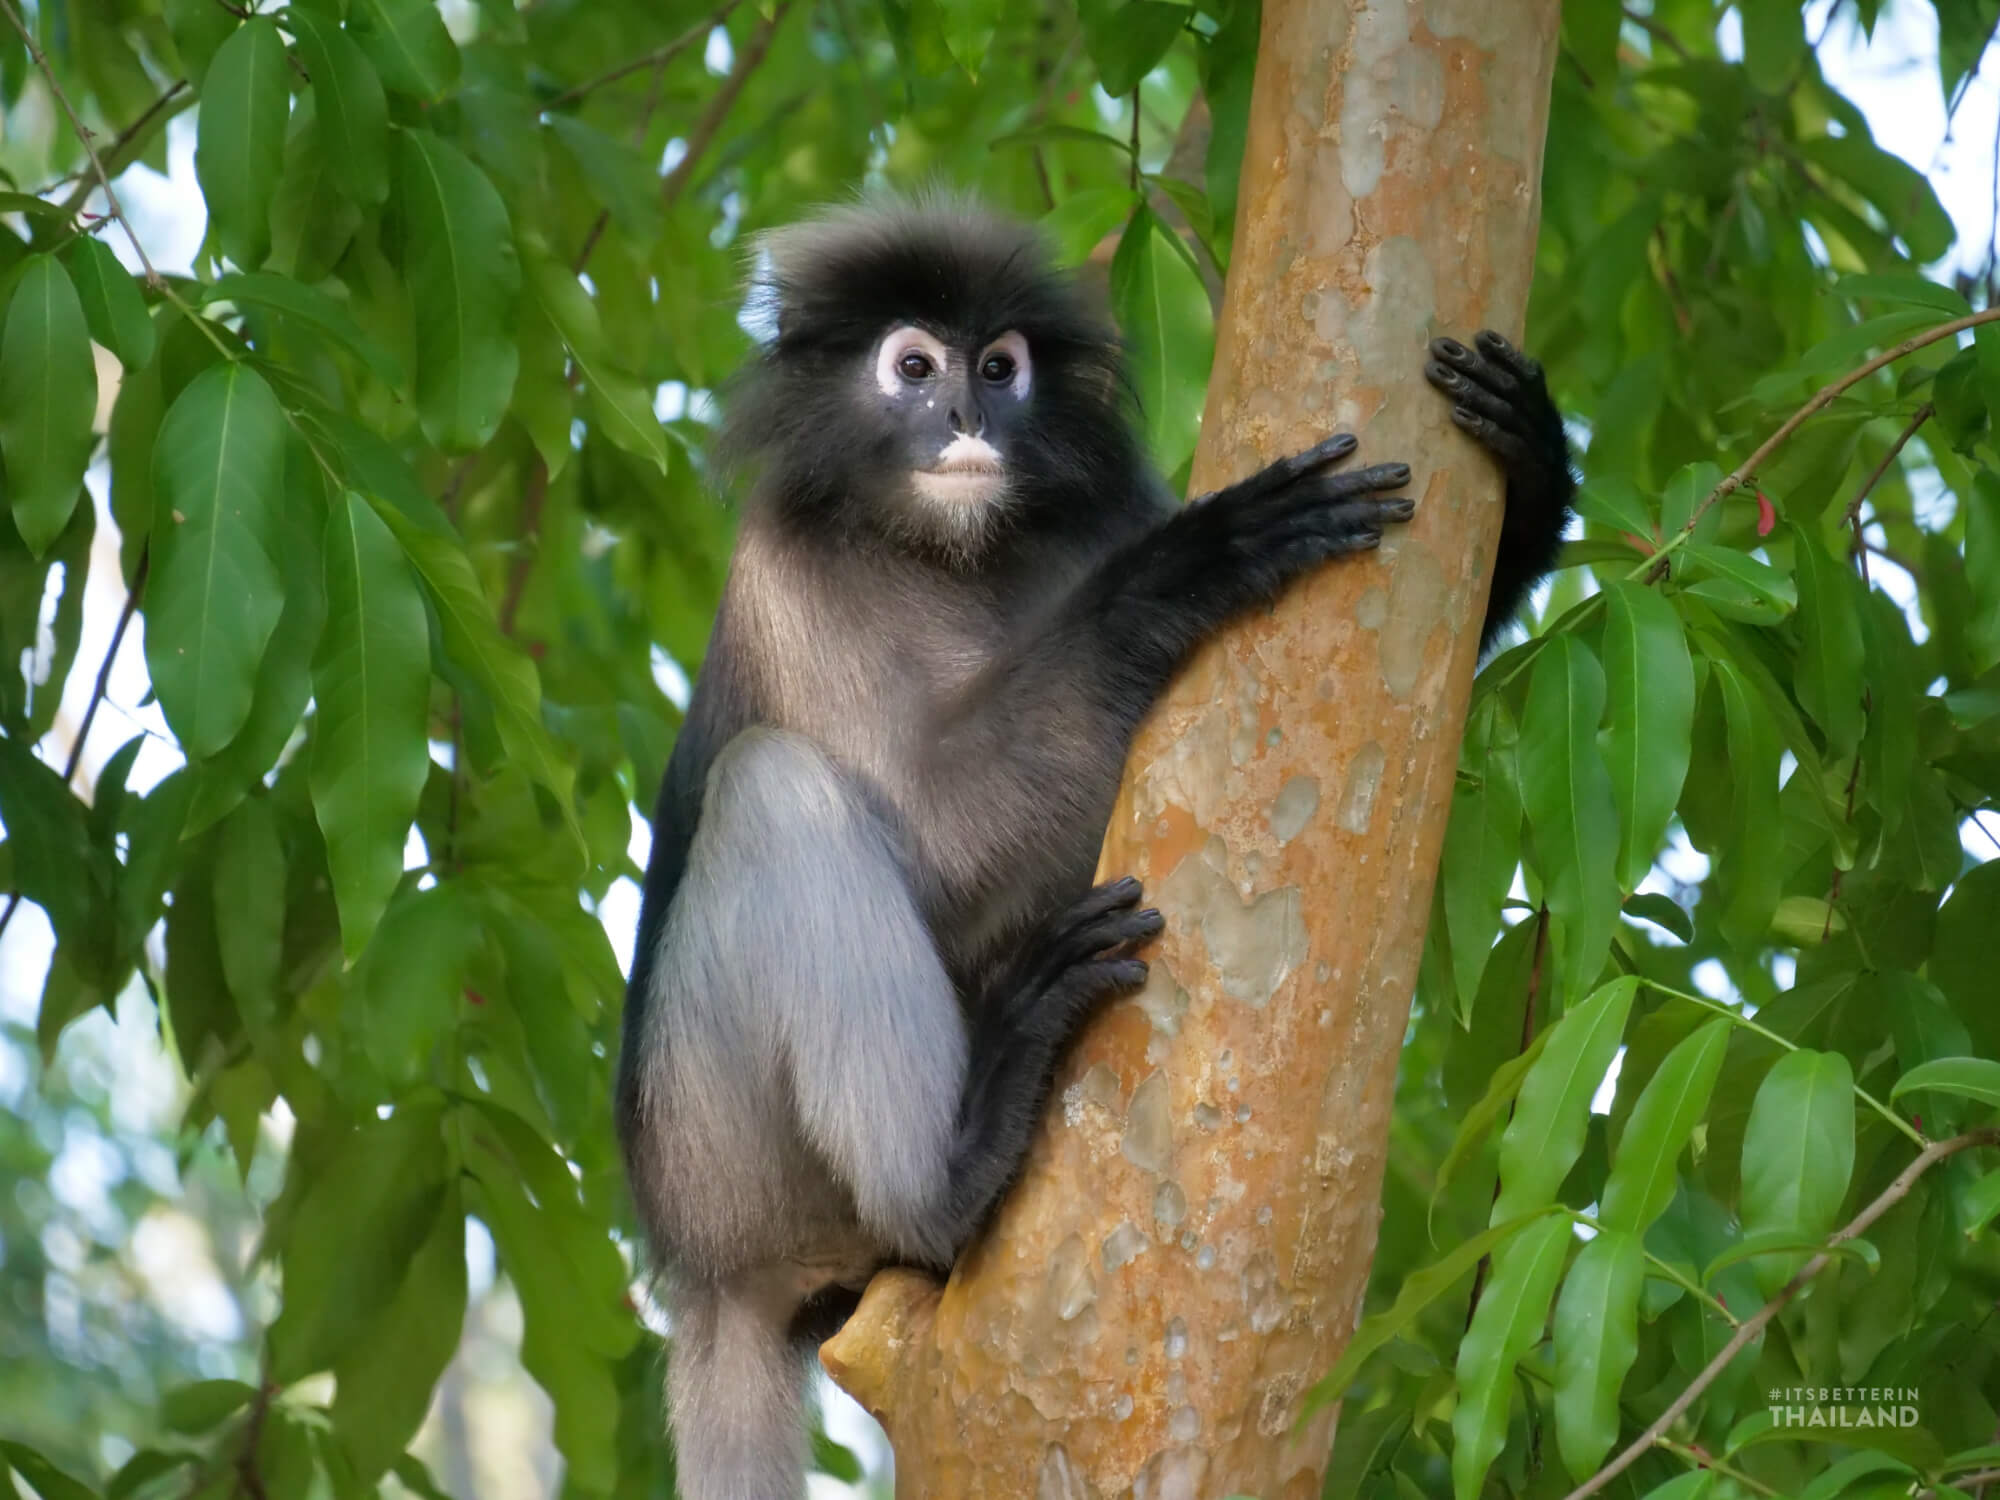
(1504, 445)
(1496, 408)
(1505, 355)
(1451, 352)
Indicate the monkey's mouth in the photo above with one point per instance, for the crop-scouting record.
(961, 481)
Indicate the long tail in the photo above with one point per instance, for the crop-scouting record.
(736, 1388)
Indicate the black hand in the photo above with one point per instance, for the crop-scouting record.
(1500, 397)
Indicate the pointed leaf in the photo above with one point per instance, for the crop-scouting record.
(464, 280)
(623, 409)
(1505, 1326)
(215, 593)
(112, 303)
(1649, 678)
(48, 395)
(1567, 793)
(1552, 1113)
(1169, 329)
(408, 43)
(1596, 1338)
(308, 305)
(1968, 1077)
(352, 110)
(1829, 681)
(372, 682)
(1670, 1106)
(240, 138)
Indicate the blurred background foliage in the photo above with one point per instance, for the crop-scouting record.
(358, 547)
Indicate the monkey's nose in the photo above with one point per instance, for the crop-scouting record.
(958, 423)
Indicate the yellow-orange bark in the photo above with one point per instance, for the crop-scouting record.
(1190, 1244)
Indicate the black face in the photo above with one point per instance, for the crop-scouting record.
(955, 412)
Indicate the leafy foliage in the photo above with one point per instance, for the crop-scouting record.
(417, 567)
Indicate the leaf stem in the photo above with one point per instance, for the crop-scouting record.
(1917, 1137)
(1752, 1326)
(658, 57)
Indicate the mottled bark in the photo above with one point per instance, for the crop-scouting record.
(1189, 1247)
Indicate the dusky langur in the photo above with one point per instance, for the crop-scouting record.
(868, 927)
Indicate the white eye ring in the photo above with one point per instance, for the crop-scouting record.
(898, 344)
(1012, 346)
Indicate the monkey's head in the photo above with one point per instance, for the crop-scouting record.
(934, 380)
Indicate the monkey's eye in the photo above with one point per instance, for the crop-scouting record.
(914, 366)
(998, 368)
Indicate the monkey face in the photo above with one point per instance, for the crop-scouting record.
(955, 408)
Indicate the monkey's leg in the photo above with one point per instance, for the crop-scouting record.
(1501, 399)
(815, 955)
(1073, 963)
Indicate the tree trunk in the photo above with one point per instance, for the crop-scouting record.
(1189, 1246)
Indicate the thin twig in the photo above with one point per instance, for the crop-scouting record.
(703, 135)
(1135, 138)
(124, 139)
(83, 136)
(603, 219)
(1859, 550)
(658, 57)
(1654, 29)
(1822, 399)
(1896, 1191)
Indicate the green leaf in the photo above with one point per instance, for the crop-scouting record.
(1552, 1113)
(1798, 1151)
(352, 111)
(623, 407)
(623, 181)
(1670, 1106)
(57, 865)
(50, 1482)
(312, 219)
(1899, 190)
(203, 1405)
(1975, 1078)
(1662, 911)
(1420, 1290)
(1978, 1203)
(48, 396)
(250, 904)
(362, 1216)
(412, 980)
(1127, 41)
(240, 138)
(408, 43)
(1830, 657)
(1614, 501)
(1649, 678)
(214, 594)
(1567, 794)
(199, 28)
(1686, 490)
(310, 306)
(1771, 589)
(464, 279)
(1754, 858)
(1078, 224)
(372, 682)
(284, 675)
(1169, 328)
(1482, 845)
(112, 303)
(1596, 1339)
(968, 30)
(1794, 1245)
(474, 641)
(1505, 1326)
(385, 1376)
(1919, 291)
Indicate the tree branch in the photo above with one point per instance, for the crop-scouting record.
(703, 135)
(1653, 567)
(658, 57)
(83, 137)
(1890, 1196)
(1858, 553)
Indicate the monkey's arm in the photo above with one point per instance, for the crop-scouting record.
(1501, 399)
